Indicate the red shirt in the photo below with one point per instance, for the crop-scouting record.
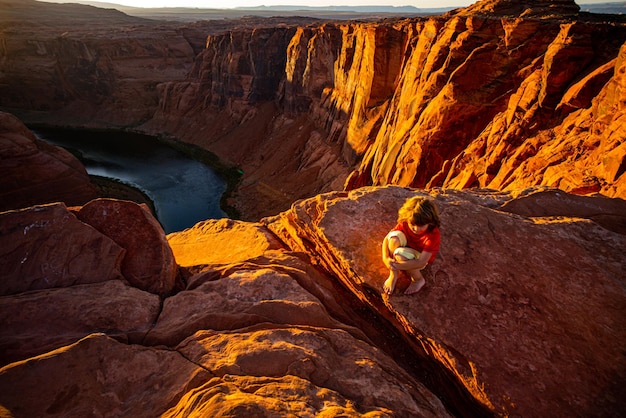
(428, 241)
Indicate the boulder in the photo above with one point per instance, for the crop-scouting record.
(149, 263)
(526, 312)
(220, 241)
(237, 286)
(33, 323)
(98, 376)
(245, 297)
(46, 246)
(294, 362)
(206, 258)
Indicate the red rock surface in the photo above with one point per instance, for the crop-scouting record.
(98, 375)
(239, 241)
(258, 333)
(502, 94)
(35, 172)
(583, 154)
(44, 247)
(149, 263)
(355, 378)
(36, 322)
(262, 326)
(527, 312)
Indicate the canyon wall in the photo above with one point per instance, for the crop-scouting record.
(522, 313)
(523, 310)
(502, 95)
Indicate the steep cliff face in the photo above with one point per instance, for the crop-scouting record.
(480, 95)
(502, 94)
(469, 99)
(227, 104)
(498, 95)
(72, 64)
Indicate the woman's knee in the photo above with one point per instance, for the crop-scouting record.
(406, 252)
(393, 243)
(399, 257)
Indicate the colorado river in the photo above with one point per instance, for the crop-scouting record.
(184, 191)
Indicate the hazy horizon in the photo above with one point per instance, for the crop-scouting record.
(217, 4)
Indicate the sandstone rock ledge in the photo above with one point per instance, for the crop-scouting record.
(525, 313)
(256, 331)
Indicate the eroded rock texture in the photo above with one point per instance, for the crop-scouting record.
(149, 263)
(502, 94)
(527, 312)
(256, 333)
(46, 246)
(522, 314)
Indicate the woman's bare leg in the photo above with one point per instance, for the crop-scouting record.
(417, 283)
(390, 283)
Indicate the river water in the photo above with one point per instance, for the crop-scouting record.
(184, 191)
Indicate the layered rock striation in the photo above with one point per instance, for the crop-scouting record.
(501, 94)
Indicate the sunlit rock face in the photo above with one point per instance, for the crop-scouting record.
(583, 153)
(255, 331)
(524, 304)
(522, 312)
(502, 94)
(504, 102)
(499, 95)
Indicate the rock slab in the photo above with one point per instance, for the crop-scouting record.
(526, 312)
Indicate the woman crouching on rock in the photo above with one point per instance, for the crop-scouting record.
(412, 244)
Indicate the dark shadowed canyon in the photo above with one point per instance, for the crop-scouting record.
(508, 115)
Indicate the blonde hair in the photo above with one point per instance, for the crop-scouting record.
(419, 210)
